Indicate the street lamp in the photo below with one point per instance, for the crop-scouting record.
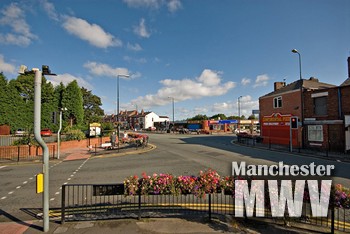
(301, 96)
(118, 128)
(58, 133)
(173, 113)
(239, 113)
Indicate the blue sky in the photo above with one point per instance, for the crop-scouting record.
(204, 54)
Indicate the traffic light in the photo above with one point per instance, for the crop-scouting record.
(294, 122)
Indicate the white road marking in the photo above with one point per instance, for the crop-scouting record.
(18, 187)
(11, 192)
(25, 182)
(31, 178)
(57, 193)
(3, 198)
(52, 199)
(69, 178)
(2, 167)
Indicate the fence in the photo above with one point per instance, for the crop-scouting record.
(107, 201)
(256, 141)
(24, 152)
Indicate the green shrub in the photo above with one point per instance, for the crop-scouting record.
(25, 140)
(74, 134)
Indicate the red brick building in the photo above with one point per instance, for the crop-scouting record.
(327, 118)
(277, 107)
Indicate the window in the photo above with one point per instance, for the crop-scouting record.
(320, 106)
(277, 102)
(315, 133)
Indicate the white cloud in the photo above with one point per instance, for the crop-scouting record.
(172, 5)
(245, 81)
(247, 104)
(100, 69)
(221, 107)
(206, 85)
(92, 33)
(67, 78)
(6, 67)
(50, 10)
(261, 80)
(20, 34)
(141, 29)
(135, 47)
(144, 3)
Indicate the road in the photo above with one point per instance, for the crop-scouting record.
(176, 154)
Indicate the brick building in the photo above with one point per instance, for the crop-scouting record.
(325, 113)
(136, 120)
(277, 107)
(327, 117)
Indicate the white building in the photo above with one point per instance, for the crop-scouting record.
(151, 119)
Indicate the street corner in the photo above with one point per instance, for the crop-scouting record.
(14, 227)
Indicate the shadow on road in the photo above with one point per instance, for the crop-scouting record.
(16, 220)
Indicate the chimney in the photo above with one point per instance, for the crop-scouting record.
(348, 67)
(313, 79)
(278, 85)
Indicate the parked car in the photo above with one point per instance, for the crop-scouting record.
(46, 132)
(183, 131)
(20, 132)
(237, 131)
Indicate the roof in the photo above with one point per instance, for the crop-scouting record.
(346, 82)
(311, 83)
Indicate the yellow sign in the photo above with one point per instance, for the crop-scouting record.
(95, 125)
(40, 183)
(276, 117)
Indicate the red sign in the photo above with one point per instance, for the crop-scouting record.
(276, 119)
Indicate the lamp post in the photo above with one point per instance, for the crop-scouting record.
(118, 127)
(239, 114)
(173, 113)
(58, 134)
(301, 97)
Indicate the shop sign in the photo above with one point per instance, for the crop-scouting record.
(276, 119)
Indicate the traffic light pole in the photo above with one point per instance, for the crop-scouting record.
(293, 124)
(37, 125)
(290, 136)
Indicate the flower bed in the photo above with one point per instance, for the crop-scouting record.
(208, 182)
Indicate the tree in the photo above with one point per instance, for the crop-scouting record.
(252, 117)
(219, 116)
(233, 117)
(72, 99)
(59, 90)
(198, 117)
(4, 100)
(92, 109)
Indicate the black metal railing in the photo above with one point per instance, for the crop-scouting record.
(258, 142)
(107, 201)
(24, 153)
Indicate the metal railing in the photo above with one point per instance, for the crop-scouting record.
(257, 141)
(24, 153)
(107, 201)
